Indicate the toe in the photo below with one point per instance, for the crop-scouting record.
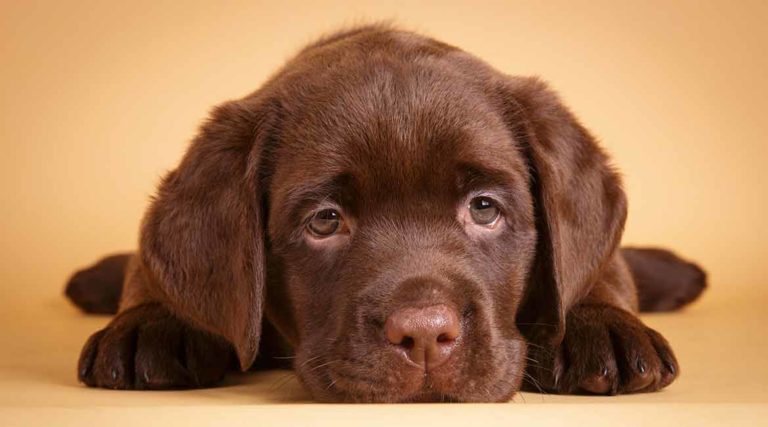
(157, 362)
(669, 369)
(589, 351)
(600, 383)
(639, 376)
(207, 357)
(113, 366)
(637, 359)
(87, 357)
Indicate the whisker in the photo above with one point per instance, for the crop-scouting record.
(535, 383)
(311, 359)
(314, 368)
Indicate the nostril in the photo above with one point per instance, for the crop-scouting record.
(444, 338)
(407, 343)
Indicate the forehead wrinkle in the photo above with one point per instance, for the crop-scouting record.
(417, 151)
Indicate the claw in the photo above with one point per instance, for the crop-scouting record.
(670, 367)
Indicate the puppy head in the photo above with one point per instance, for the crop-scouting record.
(395, 216)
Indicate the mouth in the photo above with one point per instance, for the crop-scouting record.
(425, 394)
(430, 397)
(401, 386)
(376, 383)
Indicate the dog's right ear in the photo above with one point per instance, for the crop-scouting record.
(202, 240)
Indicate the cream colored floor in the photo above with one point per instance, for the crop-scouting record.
(720, 342)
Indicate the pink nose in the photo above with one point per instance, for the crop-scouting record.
(425, 336)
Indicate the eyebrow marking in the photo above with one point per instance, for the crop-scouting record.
(338, 188)
(473, 176)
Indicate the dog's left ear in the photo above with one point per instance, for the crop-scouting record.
(579, 203)
(203, 238)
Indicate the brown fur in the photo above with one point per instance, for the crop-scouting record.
(397, 130)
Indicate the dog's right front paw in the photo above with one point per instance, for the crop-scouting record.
(147, 347)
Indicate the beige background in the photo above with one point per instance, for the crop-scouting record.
(99, 98)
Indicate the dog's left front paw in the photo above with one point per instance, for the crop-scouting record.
(606, 350)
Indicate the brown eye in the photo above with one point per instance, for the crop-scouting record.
(483, 210)
(325, 222)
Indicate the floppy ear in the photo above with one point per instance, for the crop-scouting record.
(580, 205)
(202, 239)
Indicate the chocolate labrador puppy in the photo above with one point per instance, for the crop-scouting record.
(406, 223)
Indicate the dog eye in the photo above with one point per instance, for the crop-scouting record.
(325, 222)
(483, 210)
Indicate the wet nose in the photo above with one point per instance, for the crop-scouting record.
(426, 336)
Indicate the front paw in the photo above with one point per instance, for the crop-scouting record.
(147, 347)
(605, 350)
